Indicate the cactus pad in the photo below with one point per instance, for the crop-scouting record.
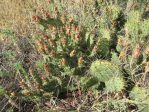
(104, 70)
(115, 84)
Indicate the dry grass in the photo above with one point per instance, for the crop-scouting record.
(17, 15)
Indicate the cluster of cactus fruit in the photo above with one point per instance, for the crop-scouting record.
(74, 58)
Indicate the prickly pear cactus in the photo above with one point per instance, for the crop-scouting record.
(140, 95)
(115, 84)
(66, 50)
(102, 48)
(104, 70)
(89, 82)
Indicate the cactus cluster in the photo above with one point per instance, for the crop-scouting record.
(66, 51)
(73, 57)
